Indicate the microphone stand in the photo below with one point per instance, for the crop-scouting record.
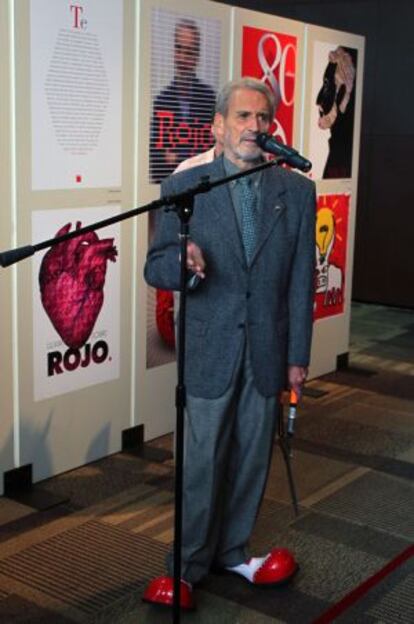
(183, 205)
(284, 443)
(184, 209)
(12, 256)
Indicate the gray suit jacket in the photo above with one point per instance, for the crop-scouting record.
(271, 300)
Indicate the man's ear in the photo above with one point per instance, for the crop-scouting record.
(218, 125)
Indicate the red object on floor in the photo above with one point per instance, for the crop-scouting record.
(278, 567)
(161, 591)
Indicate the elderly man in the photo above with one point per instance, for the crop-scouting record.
(249, 326)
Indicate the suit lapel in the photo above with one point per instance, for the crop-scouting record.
(271, 206)
(219, 204)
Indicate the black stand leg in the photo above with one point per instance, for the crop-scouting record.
(285, 448)
(184, 212)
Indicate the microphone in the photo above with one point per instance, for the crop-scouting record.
(268, 143)
(293, 402)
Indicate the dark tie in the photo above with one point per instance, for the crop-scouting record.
(248, 215)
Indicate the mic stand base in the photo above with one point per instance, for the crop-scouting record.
(184, 209)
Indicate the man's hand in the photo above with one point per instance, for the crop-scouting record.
(296, 377)
(195, 260)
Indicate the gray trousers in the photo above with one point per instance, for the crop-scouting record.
(228, 445)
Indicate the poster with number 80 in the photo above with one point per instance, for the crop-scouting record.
(271, 57)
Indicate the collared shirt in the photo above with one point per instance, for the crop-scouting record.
(230, 169)
(194, 161)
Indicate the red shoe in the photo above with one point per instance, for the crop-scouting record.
(161, 591)
(278, 567)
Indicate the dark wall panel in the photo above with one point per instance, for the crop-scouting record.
(385, 222)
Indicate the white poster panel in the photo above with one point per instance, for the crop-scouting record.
(76, 302)
(332, 123)
(76, 93)
(176, 37)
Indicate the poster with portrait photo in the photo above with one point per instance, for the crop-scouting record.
(185, 77)
(332, 218)
(271, 57)
(332, 110)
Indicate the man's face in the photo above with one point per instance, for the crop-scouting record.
(248, 113)
(186, 52)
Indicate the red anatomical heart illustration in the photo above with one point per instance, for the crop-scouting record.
(72, 278)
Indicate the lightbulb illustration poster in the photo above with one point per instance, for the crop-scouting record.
(271, 57)
(76, 302)
(331, 243)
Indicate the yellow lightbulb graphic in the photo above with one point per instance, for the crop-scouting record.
(325, 230)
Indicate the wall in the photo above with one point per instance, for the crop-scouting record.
(60, 405)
